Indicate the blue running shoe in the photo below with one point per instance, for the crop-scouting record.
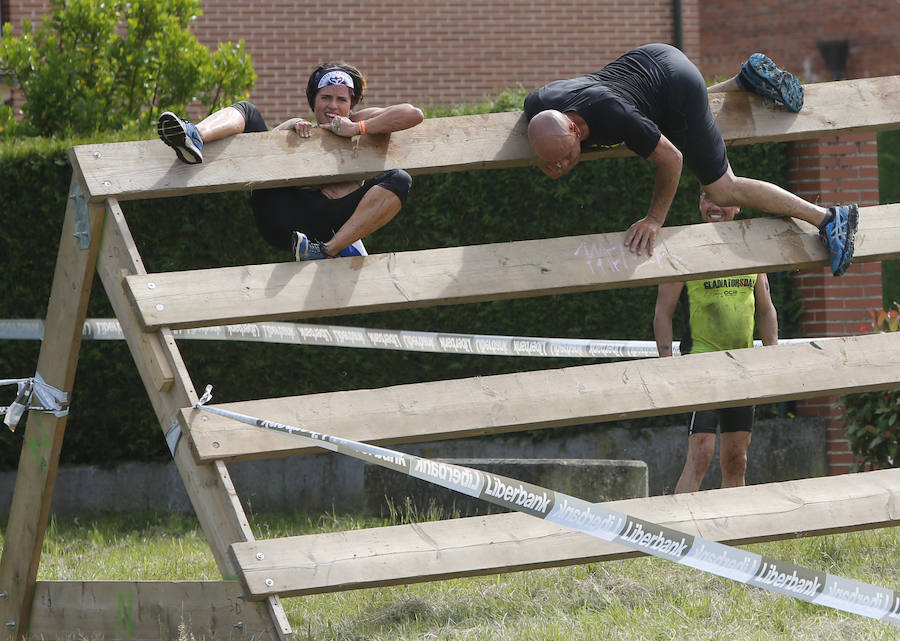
(181, 136)
(305, 249)
(837, 233)
(760, 75)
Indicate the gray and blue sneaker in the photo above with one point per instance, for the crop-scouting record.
(305, 249)
(182, 136)
(837, 232)
(760, 75)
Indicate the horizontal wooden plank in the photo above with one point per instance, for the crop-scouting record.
(144, 610)
(511, 542)
(453, 275)
(744, 119)
(556, 397)
(149, 169)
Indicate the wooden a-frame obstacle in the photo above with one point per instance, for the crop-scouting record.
(256, 573)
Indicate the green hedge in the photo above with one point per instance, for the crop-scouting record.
(111, 418)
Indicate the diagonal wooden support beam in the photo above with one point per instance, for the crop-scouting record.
(149, 169)
(557, 397)
(57, 362)
(511, 542)
(454, 275)
(169, 387)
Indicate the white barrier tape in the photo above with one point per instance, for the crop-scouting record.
(13, 413)
(50, 399)
(340, 336)
(594, 519)
(4, 409)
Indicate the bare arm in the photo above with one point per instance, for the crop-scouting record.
(766, 316)
(666, 300)
(668, 163)
(301, 126)
(380, 120)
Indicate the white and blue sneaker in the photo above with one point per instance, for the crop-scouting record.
(305, 249)
(302, 248)
(760, 75)
(182, 136)
(837, 232)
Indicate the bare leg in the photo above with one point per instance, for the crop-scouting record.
(726, 85)
(221, 124)
(377, 208)
(733, 458)
(701, 447)
(731, 190)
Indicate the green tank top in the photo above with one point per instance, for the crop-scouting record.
(721, 313)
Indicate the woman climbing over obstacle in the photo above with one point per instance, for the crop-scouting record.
(654, 100)
(319, 221)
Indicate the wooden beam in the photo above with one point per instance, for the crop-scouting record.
(552, 398)
(454, 275)
(743, 118)
(149, 169)
(155, 367)
(57, 362)
(209, 487)
(145, 611)
(511, 542)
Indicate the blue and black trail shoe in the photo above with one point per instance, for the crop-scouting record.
(760, 75)
(837, 232)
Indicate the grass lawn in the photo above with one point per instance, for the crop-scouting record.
(642, 598)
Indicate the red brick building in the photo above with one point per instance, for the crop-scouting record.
(433, 52)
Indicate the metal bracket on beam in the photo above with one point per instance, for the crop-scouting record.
(173, 436)
(82, 220)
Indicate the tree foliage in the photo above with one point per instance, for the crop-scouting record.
(93, 66)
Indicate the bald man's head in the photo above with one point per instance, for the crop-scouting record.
(554, 138)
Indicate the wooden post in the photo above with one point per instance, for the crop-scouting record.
(57, 361)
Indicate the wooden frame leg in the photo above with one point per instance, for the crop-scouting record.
(58, 359)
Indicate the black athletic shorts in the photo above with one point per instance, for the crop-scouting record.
(729, 419)
(687, 120)
(283, 210)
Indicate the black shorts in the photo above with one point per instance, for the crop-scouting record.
(688, 121)
(283, 210)
(729, 419)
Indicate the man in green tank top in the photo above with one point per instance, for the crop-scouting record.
(720, 314)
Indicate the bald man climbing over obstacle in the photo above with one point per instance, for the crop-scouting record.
(654, 100)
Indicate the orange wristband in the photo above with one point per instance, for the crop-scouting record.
(362, 127)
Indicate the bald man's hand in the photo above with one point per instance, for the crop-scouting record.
(641, 235)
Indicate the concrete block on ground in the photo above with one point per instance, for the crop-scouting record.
(595, 480)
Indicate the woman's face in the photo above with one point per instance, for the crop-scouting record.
(331, 101)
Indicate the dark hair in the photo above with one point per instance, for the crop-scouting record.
(312, 87)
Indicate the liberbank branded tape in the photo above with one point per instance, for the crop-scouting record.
(596, 520)
(340, 336)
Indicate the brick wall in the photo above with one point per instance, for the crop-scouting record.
(790, 31)
(463, 50)
(830, 171)
(430, 53)
(425, 52)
